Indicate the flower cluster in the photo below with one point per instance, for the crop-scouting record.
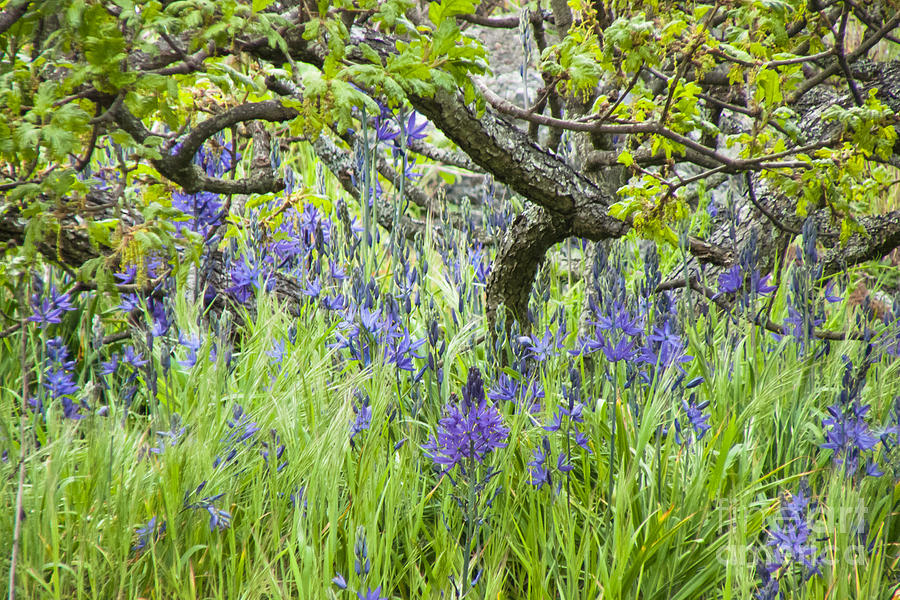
(541, 466)
(791, 545)
(59, 382)
(132, 361)
(363, 418)
(698, 422)
(169, 438)
(218, 518)
(620, 323)
(470, 429)
(152, 531)
(244, 433)
(49, 308)
(249, 274)
(366, 327)
(847, 433)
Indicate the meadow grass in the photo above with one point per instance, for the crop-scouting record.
(684, 520)
(271, 500)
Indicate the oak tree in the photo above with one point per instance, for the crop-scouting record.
(643, 108)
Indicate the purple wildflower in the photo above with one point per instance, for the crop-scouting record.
(665, 347)
(730, 280)
(506, 388)
(134, 358)
(540, 348)
(363, 418)
(50, 309)
(159, 317)
(151, 531)
(171, 437)
(110, 366)
(848, 434)
(401, 351)
(246, 277)
(218, 518)
(623, 350)
(696, 418)
(129, 303)
(339, 581)
(277, 353)
(540, 472)
(415, 131)
(192, 343)
(370, 594)
(59, 378)
(791, 537)
(470, 430)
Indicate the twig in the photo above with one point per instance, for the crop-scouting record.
(768, 324)
(510, 22)
(688, 55)
(722, 103)
(867, 21)
(861, 51)
(777, 223)
(630, 128)
(622, 96)
(82, 163)
(448, 157)
(842, 58)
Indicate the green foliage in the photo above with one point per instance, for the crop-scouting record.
(688, 519)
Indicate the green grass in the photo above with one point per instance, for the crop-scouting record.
(683, 521)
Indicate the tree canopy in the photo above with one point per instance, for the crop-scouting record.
(652, 100)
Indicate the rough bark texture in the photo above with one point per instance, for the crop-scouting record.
(532, 233)
(498, 146)
(69, 245)
(563, 200)
(882, 232)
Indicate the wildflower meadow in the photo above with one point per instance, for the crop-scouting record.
(381, 440)
(446, 300)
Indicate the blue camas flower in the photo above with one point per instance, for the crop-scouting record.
(847, 433)
(246, 277)
(730, 280)
(151, 531)
(50, 309)
(471, 429)
(791, 537)
(363, 417)
(540, 466)
(665, 347)
(171, 437)
(699, 422)
(59, 379)
(192, 343)
(218, 518)
(540, 348)
(361, 566)
(370, 594)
